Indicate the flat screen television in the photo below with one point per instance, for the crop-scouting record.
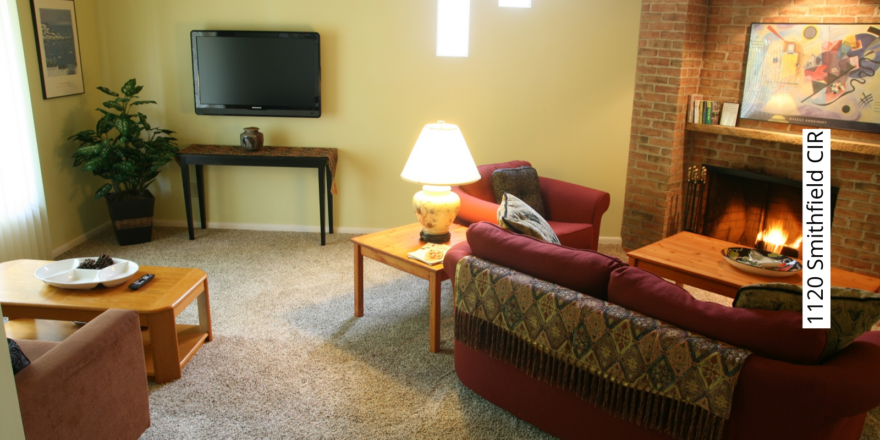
(249, 73)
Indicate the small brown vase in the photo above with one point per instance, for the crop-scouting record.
(251, 139)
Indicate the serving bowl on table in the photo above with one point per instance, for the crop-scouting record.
(64, 274)
(763, 263)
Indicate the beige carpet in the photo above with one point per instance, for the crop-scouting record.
(289, 360)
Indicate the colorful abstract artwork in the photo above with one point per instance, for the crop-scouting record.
(814, 74)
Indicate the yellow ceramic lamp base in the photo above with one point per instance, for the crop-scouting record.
(436, 208)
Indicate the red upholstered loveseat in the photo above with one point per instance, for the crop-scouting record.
(773, 399)
(573, 211)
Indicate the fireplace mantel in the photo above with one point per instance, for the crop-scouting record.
(785, 138)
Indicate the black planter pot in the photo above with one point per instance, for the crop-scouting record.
(132, 218)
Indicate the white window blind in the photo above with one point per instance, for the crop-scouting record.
(23, 224)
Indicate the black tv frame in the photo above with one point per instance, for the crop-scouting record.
(244, 110)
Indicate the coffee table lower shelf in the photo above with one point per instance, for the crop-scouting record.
(190, 338)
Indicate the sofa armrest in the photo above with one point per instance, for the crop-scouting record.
(853, 385)
(475, 210)
(92, 385)
(453, 256)
(845, 386)
(571, 203)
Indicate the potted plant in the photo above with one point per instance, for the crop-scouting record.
(124, 149)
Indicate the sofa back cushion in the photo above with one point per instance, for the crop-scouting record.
(581, 270)
(482, 189)
(772, 334)
(853, 311)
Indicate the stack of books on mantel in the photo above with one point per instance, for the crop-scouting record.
(703, 112)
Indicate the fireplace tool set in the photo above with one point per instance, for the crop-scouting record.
(694, 198)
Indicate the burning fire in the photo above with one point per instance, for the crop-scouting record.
(775, 238)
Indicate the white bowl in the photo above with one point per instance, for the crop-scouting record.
(64, 274)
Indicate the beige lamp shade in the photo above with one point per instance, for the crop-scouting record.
(440, 157)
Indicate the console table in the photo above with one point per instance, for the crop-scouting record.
(324, 159)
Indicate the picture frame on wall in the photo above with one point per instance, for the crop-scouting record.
(58, 51)
(821, 75)
(729, 114)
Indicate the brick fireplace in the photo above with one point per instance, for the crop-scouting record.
(699, 46)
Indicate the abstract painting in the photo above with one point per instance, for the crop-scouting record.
(58, 47)
(814, 74)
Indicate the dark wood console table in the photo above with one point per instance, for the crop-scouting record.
(324, 159)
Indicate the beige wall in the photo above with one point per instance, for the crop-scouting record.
(551, 84)
(69, 192)
(10, 416)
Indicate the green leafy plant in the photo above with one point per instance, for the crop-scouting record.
(123, 148)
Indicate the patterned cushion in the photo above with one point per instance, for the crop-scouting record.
(853, 311)
(522, 182)
(19, 360)
(515, 215)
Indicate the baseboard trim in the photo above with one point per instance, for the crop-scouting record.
(610, 240)
(266, 227)
(305, 228)
(80, 240)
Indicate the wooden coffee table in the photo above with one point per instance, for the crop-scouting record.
(168, 347)
(696, 260)
(390, 247)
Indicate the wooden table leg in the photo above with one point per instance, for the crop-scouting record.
(358, 281)
(321, 196)
(200, 187)
(434, 287)
(163, 344)
(205, 314)
(329, 198)
(187, 200)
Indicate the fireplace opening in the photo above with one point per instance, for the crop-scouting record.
(754, 210)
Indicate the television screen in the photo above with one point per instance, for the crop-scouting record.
(257, 73)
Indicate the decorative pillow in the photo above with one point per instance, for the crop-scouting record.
(581, 270)
(515, 215)
(19, 360)
(522, 182)
(853, 311)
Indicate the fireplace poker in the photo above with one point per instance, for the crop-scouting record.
(699, 180)
(689, 200)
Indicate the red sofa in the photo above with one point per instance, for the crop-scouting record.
(573, 211)
(774, 399)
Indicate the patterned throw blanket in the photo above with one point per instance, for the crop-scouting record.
(635, 367)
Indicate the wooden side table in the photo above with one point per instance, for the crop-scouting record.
(696, 260)
(390, 247)
(39, 311)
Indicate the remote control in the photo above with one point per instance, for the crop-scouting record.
(141, 281)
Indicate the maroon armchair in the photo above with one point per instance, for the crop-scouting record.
(573, 211)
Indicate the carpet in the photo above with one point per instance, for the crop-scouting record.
(289, 359)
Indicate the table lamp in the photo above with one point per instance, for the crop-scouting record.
(439, 159)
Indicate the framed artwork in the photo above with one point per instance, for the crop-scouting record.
(819, 75)
(57, 47)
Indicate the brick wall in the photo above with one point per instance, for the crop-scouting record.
(856, 226)
(718, 69)
(667, 72)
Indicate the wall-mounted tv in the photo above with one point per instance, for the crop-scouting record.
(249, 73)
